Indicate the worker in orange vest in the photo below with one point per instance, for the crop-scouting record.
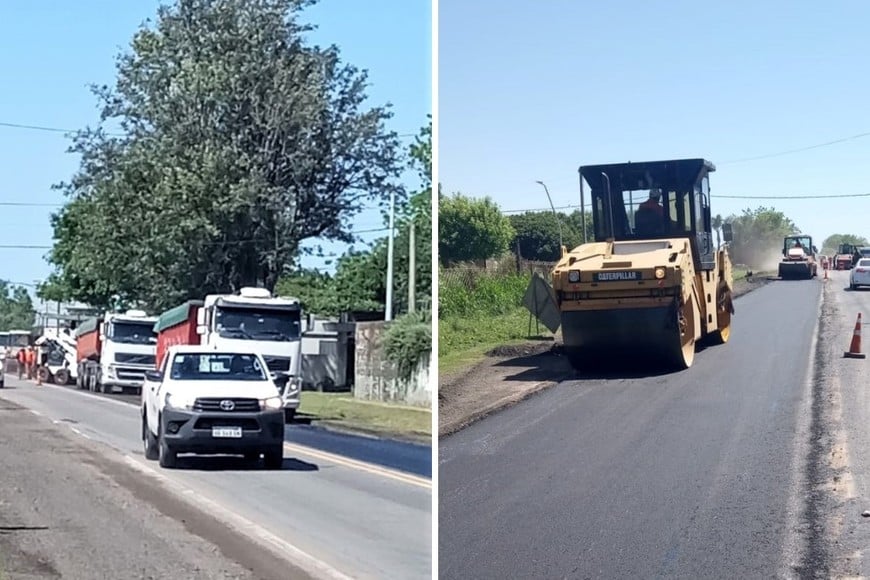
(21, 357)
(31, 362)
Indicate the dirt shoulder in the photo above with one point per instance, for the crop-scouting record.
(70, 510)
(509, 374)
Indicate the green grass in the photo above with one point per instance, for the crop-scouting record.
(478, 313)
(463, 342)
(344, 411)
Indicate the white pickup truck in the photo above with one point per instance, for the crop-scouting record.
(207, 400)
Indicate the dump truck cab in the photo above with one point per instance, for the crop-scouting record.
(652, 279)
(799, 257)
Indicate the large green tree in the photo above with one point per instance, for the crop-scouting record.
(471, 229)
(16, 308)
(240, 141)
(359, 282)
(537, 233)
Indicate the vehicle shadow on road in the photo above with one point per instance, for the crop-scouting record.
(548, 365)
(552, 365)
(232, 463)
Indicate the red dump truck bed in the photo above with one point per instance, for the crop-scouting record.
(88, 344)
(177, 326)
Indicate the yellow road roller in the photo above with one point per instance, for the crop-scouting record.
(651, 284)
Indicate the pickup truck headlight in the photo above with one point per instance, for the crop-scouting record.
(176, 401)
(573, 276)
(660, 273)
(271, 403)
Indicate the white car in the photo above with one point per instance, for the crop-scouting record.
(212, 401)
(860, 274)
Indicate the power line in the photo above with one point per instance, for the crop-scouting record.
(60, 130)
(798, 150)
(831, 196)
(791, 196)
(219, 243)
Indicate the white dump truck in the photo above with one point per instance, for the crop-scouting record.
(250, 319)
(115, 350)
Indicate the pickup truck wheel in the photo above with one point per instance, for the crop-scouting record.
(166, 456)
(274, 457)
(150, 441)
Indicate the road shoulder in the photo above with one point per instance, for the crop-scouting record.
(510, 374)
(73, 509)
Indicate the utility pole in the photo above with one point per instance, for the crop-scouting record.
(412, 278)
(389, 313)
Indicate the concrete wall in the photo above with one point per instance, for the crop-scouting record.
(375, 377)
(325, 356)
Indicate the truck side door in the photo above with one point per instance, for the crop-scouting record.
(151, 392)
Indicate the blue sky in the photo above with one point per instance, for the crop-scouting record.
(51, 51)
(532, 90)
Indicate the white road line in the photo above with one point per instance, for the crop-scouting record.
(360, 465)
(278, 546)
(365, 466)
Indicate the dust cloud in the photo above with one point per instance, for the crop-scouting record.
(760, 258)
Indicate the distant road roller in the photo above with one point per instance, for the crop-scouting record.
(651, 283)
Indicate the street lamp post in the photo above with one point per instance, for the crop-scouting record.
(555, 215)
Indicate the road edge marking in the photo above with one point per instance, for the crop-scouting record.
(282, 548)
(360, 465)
(794, 544)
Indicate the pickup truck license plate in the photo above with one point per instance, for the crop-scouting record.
(227, 432)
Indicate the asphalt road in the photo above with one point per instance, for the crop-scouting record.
(400, 455)
(694, 474)
(342, 515)
(51, 526)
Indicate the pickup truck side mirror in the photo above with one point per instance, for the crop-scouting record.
(280, 379)
(153, 376)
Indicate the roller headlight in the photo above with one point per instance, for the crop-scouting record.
(660, 273)
(573, 276)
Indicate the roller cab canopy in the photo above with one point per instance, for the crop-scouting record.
(652, 200)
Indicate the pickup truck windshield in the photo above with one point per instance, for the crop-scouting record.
(258, 324)
(216, 367)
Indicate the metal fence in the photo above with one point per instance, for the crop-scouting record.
(467, 274)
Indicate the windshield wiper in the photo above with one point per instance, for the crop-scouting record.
(277, 333)
(237, 331)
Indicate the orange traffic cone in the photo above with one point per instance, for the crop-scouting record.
(855, 348)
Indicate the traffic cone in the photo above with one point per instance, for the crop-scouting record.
(855, 348)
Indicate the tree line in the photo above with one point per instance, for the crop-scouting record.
(477, 229)
(237, 142)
